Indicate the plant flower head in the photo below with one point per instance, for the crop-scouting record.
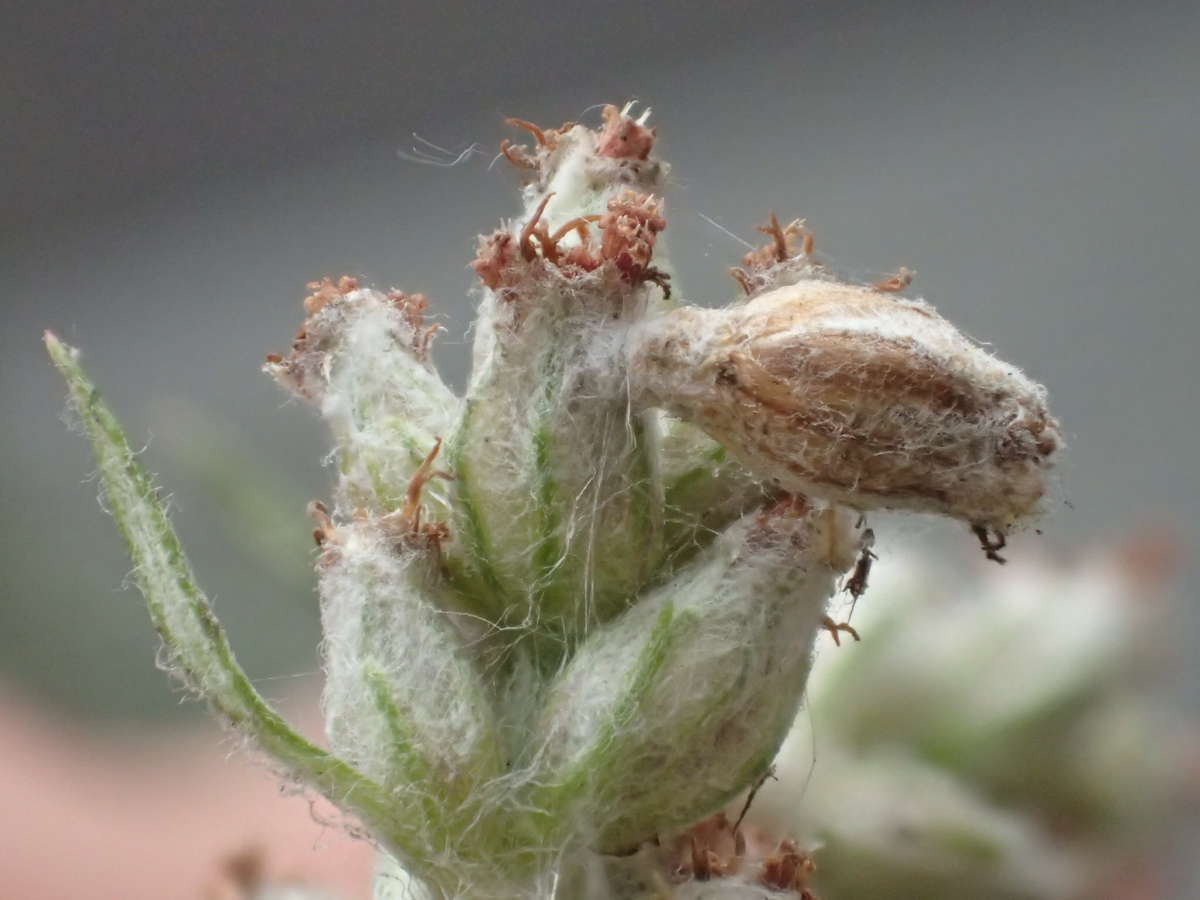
(570, 613)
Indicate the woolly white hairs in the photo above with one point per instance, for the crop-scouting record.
(571, 614)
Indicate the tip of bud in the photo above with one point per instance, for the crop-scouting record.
(58, 351)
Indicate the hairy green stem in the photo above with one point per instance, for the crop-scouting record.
(199, 650)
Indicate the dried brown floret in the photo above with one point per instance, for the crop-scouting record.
(494, 258)
(782, 246)
(623, 137)
(899, 281)
(411, 514)
(781, 249)
(536, 228)
(517, 155)
(705, 851)
(327, 290)
(538, 134)
(403, 527)
(835, 629)
(787, 869)
(631, 227)
(412, 307)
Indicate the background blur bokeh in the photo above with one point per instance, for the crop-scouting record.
(173, 173)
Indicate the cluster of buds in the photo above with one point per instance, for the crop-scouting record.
(571, 613)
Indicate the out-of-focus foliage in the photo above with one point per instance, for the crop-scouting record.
(1000, 736)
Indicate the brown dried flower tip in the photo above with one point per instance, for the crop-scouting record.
(706, 864)
(327, 290)
(707, 850)
(537, 228)
(326, 534)
(411, 514)
(536, 236)
(494, 257)
(835, 629)
(319, 513)
(631, 227)
(897, 282)
(715, 848)
(787, 870)
(517, 155)
(624, 137)
(404, 526)
(782, 246)
(538, 134)
(547, 140)
(781, 249)
(412, 307)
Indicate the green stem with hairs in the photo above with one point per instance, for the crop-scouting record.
(199, 650)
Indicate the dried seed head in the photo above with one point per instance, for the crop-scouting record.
(852, 394)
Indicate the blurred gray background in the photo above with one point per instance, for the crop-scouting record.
(171, 174)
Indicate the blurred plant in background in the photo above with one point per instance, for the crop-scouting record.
(1003, 735)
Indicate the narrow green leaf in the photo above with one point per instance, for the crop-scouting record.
(199, 651)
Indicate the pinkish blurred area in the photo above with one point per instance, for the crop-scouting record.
(154, 814)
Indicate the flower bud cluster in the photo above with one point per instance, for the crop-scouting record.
(572, 612)
(634, 669)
